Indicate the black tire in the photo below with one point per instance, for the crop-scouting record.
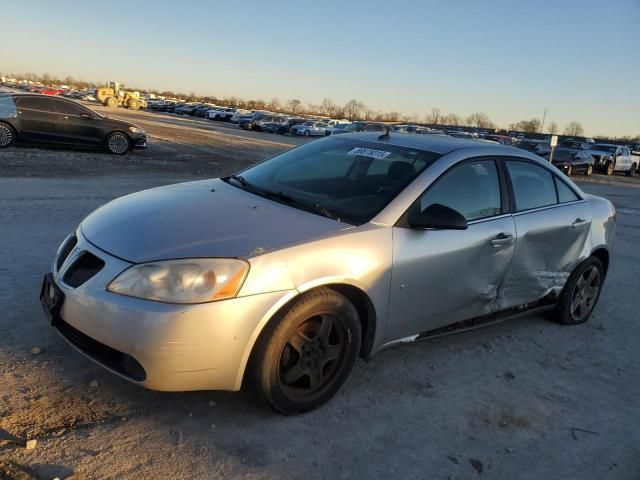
(7, 135)
(307, 133)
(569, 170)
(111, 102)
(306, 353)
(632, 170)
(589, 171)
(576, 304)
(118, 143)
(134, 105)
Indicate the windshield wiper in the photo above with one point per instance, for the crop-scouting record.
(309, 206)
(240, 179)
(288, 199)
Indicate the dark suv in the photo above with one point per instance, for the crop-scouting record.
(29, 118)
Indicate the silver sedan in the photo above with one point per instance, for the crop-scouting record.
(286, 273)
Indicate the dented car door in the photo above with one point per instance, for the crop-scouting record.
(552, 223)
(445, 276)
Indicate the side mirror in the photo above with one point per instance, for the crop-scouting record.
(436, 216)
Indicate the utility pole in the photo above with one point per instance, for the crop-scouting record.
(544, 116)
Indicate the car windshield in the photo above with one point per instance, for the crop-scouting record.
(348, 180)
(604, 148)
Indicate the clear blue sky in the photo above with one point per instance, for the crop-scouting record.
(510, 59)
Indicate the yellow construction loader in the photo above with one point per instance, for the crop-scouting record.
(114, 94)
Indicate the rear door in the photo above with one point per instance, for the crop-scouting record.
(445, 276)
(552, 223)
(36, 119)
(76, 124)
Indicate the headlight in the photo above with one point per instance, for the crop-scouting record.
(192, 280)
(136, 130)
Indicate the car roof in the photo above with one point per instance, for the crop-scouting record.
(442, 144)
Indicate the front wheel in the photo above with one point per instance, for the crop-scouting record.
(589, 171)
(580, 293)
(307, 133)
(7, 137)
(307, 352)
(610, 168)
(118, 143)
(111, 102)
(134, 105)
(569, 170)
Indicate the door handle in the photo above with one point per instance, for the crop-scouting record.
(502, 239)
(578, 222)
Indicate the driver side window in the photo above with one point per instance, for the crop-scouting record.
(472, 189)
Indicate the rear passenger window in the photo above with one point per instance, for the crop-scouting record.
(472, 189)
(565, 194)
(66, 107)
(42, 104)
(533, 186)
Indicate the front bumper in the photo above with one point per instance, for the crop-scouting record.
(179, 347)
(140, 142)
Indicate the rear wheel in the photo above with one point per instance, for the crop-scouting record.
(569, 170)
(7, 136)
(134, 105)
(632, 170)
(580, 293)
(589, 170)
(111, 102)
(118, 143)
(307, 352)
(307, 133)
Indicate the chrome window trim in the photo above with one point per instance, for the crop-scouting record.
(547, 207)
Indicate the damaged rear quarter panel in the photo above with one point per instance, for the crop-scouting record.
(548, 248)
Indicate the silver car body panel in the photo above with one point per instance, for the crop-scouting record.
(414, 280)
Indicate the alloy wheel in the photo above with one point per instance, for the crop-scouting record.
(118, 143)
(585, 293)
(6, 136)
(313, 357)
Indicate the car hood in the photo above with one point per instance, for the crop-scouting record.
(117, 121)
(207, 218)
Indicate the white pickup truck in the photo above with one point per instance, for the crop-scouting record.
(610, 158)
(635, 155)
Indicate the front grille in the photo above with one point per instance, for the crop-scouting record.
(110, 357)
(82, 269)
(65, 250)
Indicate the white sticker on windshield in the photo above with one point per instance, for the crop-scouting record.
(368, 152)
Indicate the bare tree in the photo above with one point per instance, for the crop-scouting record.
(274, 104)
(479, 120)
(353, 109)
(529, 126)
(294, 105)
(435, 117)
(452, 119)
(327, 107)
(574, 129)
(553, 128)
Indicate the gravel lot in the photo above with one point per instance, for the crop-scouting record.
(526, 399)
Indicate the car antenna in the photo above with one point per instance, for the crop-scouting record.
(385, 134)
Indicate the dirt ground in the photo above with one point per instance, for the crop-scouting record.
(526, 399)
